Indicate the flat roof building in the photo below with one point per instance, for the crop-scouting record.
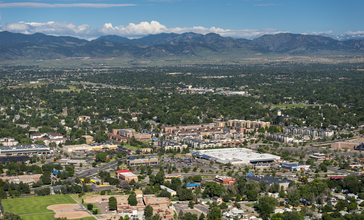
(24, 149)
(297, 166)
(236, 156)
(146, 161)
(224, 179)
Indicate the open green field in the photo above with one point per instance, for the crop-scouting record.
(35, 208)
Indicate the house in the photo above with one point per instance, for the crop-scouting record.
(216, 199)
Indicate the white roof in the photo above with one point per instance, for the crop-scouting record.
(236, 155)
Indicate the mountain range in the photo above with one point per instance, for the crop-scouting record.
(15, 46)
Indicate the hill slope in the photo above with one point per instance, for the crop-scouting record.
(198, 46)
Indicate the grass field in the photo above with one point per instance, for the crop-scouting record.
(35, 208)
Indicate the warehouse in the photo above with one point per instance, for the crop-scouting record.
(236, 156)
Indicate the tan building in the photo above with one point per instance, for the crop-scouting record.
(8, 142)
(89, 139)
(146, 161)
(29, 179)
(160, 206)
(123, 206)
(86, 147)
(128, 177)
(248, 124)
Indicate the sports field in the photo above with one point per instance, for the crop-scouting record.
(35, 208)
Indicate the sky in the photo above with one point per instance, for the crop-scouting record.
(89, 19)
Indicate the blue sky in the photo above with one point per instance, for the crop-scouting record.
(134, 18)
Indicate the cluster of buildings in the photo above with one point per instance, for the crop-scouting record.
(209, 135)
(48, 138)
(160, 205)
(8, 142)
(309, 132)
(127, 133)
(283, 138)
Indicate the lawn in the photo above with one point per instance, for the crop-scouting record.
(35, 208)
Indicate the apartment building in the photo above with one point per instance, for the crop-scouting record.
(247, 124)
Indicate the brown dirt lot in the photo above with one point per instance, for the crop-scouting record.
(68, 211)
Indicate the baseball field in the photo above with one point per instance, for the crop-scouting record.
(36, 208)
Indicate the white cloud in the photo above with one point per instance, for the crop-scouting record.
(330, 32)
(46, 5)
(354, 32)
(131, 30)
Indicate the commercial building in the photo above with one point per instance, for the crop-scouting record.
(146, 161)
(236, 156)
(319, 156)
(269, 180)
(24, 149)
(128, 177)
(224, 179)
(87, 147)
(168, 177)
(295, 166)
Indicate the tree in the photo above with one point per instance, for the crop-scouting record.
(202, 216)
(10, 216)
(191, 204)
(112, 203)
(214, 213)
(148, 212)
(223, 206)
(132, 200)
(265, 206)
(90, 206)
(340, 206)
(156, 217)
(77, 180)
(100, 157)
(101, 137)
(252, 195)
